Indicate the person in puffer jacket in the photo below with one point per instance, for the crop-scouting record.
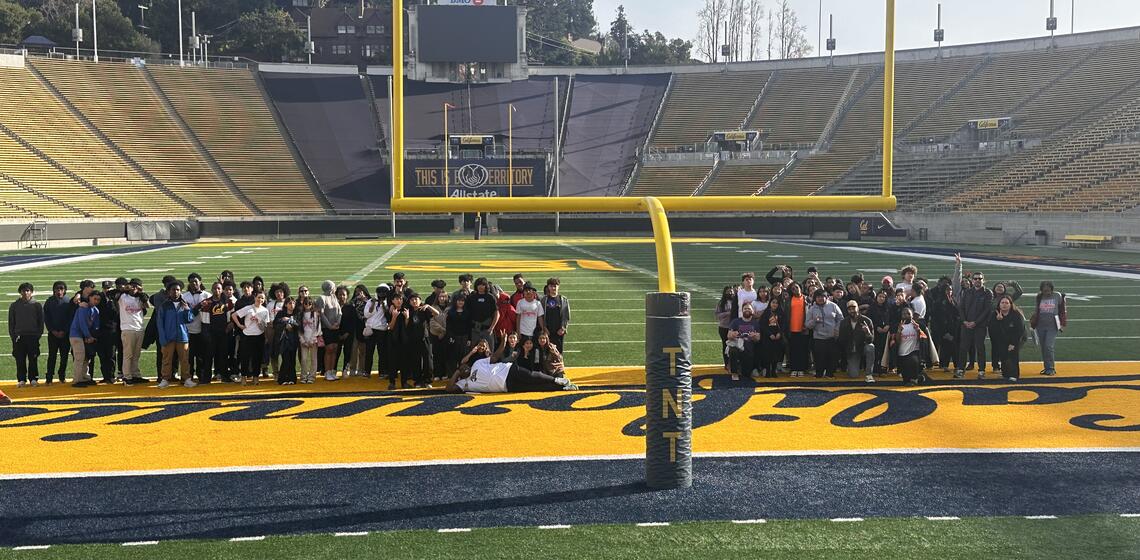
(976, 307)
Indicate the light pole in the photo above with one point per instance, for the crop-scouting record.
(94, 31)
(77, 33)
(939, 33)
(206, 50)
(181, 58)
(511, 150)
(309, 43)
(446, 150)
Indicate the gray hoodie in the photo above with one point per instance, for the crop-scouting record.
(328, 306)
(830, 317)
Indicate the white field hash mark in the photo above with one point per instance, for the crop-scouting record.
(352, 534)
(654, 524)
(455, 530)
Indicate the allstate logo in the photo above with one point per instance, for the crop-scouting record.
(472, 176)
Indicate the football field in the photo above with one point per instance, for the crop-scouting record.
(784, 468)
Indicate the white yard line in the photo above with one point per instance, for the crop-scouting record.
(686, 285)
(372, 266)
(78, 259)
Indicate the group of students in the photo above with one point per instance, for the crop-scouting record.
(904, 327)
(243, 332)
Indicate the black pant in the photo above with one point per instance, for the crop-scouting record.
(440, 350)
(219, 349)
(997, 351)
(559, 342)
(910, 366)
(373, 344)
(201, 356)
(1011, 363)
(58, 347)
(250, 351)
(971, 340)
(826, 355)
(798, 351)
(287, 371)
(104, 350)
(724, 346)
(520, 380)
(742, 362)
(417, 361)
(26, 350)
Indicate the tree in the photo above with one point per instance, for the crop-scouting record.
(15, 20)
(116, 31)
(655, 48)
(755, 19)
(791, 35)
(620, 31)
(552, 24)
(711, 20)
(269, 34)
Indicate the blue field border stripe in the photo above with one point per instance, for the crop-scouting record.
(735, 385)
(216, 505)
(6, 260)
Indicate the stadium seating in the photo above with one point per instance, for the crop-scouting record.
(117, 98)
(675, 180)
(21, 166)
(703, 103)
(18, 202)
(228, 112)
(742, 179)
(799, 104)
(609, 119)
(33, 113)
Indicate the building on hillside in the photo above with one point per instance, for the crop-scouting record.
(345, 34)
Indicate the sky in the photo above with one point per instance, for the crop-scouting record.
(859, 23)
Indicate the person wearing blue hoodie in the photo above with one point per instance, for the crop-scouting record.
(173, 337)
(84, 327)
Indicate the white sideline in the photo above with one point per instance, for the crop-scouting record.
(78, 258)
(508, 460)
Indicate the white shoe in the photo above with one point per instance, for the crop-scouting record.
(330, 376)
(562, 381)
(33, 382)
(189, 384)
(22, 384)
(870, 379)
(163, 384)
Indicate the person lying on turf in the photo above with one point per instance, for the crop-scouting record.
(485, 376)
(4, 399)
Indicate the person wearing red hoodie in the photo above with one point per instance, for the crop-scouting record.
(4, 399)
(508, 317)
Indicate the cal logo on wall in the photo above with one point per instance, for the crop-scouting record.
(476, 178)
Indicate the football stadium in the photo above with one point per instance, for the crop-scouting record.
(415, 289)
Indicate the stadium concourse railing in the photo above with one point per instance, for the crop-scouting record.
(168, 59)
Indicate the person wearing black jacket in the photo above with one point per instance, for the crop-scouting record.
(108, 332)
(417, 347)
(856, 338)
(25, 327)
(1009, 323)
(880, 314)
(945, 323)
(975, 306)
(57, 319)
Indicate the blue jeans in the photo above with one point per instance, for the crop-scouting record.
(1047, 340)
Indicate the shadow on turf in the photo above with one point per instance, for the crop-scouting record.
(181, 523)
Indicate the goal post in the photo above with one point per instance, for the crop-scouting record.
(668, 363)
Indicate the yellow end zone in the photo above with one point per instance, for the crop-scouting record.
(117, 428)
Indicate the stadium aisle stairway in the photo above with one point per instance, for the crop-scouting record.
(228, 112)
(21, 203)
(742, 179)
(35, 174)
(42, 120)
(799, 104)
(701, 104)
(117, 98)
(669, 180)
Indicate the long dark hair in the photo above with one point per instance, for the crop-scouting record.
(726, 300)
(1012, 306)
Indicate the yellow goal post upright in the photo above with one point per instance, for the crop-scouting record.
(668, 381)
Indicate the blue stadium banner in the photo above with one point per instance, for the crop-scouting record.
(475, 177)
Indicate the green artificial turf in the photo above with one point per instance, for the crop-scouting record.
(1102, 537)
(608, 307)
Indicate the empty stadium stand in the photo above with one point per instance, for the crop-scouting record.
(36, 116)
(665, 180)
(741, 178)
(227, 110)
(331, 120)
(609, 119)
(122, 104)
(800, 103)
(702, 103)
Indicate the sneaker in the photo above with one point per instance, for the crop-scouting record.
(982, 374)
(912, 382)
(163, 384)
(562, 381)
(1050, 373)
(870, 379)
(330, 376)
(735, 377)
(33, 382)
(391, 385)
(5, 400)
(1011, 379)
(48, 381)
(570, 387)
(22, 384)
(82, 384)
(959, 374)
(189, 384)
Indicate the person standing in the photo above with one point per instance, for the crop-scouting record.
(417, 349)
(288, 342)
(25, 327)
(556, 310)
(944, 326)
(975, 307)
(441, 344)
(798, 331)
(1050, 317)
(133, 305)
(106, 336)
(57, 319)
(218, 309)
(310, 331)
(530, 313)
(746, 293)
(458, 328)
(483, 310)
(84, 326)
(375, 331)
(199, 340)
(1010, 326)
(330, 313)
(824, 318)
(173, 338)
(251, 348)
(772, 329)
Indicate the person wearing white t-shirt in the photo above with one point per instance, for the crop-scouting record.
(252, 319)
(485, 376)
(133, 304)
(908, 273)
(746, 293)
(529, 310)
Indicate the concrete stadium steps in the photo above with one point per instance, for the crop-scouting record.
(997, 89)
(227, 111)
(918, 180)
(672, 180)
(118, 100)
(20, 164)
(1117, 193)
(799, 104)
(742, 179)
(39, 118)
(20, 202)
(920, 84)
(703, 103)
(608, 121)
